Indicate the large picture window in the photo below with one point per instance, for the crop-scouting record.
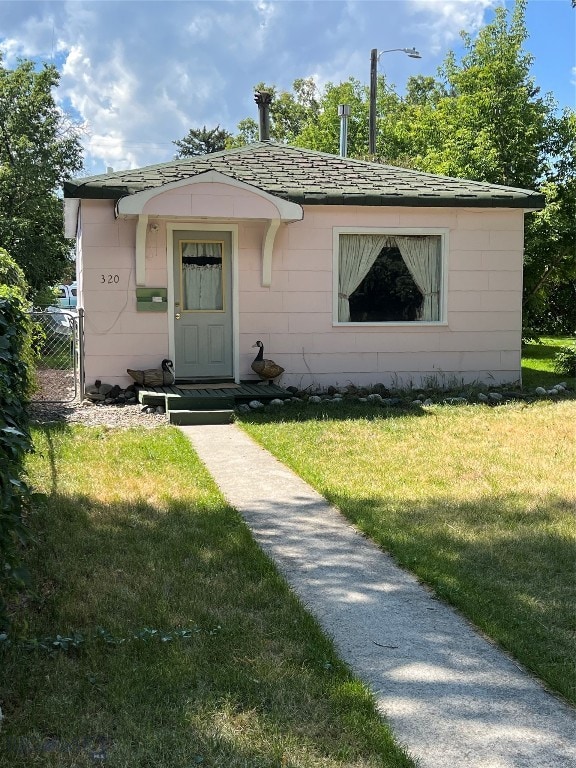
(389, 278)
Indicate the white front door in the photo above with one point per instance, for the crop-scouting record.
(203, 305)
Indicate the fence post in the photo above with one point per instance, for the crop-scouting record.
(81, 353)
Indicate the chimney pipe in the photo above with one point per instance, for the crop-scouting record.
(343, 114)
(264, 99)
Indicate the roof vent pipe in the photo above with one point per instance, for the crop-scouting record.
(264, 99)
(343, 114)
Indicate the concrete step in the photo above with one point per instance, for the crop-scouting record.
(224, 416)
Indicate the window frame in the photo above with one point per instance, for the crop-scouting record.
(443, 232)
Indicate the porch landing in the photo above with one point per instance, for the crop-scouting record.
(208, 404)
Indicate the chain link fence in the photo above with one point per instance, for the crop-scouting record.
(58, 343)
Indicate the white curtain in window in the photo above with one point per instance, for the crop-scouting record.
(357, 254)
(202, 283)
(421, 254)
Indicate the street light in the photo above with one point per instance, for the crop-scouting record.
(374, 58)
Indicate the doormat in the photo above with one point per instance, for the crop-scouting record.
(223, 385)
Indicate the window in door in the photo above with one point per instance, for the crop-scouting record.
(201, 275)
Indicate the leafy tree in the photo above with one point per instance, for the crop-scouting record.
(484, 118)
(202, 141)
(39, 148)
(550, 258)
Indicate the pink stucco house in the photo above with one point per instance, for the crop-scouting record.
(348, 271)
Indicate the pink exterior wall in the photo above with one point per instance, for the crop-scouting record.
(294, 316)
(116, 335)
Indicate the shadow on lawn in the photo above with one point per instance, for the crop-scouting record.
(348, 411)
(507, 567)
(257, 682)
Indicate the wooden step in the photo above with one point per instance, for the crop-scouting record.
(225, 416)
(195, 403)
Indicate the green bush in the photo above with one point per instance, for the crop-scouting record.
(565, 361)
(15, 386)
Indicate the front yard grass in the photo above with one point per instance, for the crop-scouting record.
(185, 646)
(538, 362)
(479, 502)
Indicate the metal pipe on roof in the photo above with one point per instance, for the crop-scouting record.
(264, 99)
(343, 114)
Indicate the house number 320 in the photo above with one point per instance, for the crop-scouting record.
(110, 279)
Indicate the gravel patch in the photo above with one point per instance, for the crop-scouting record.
(116, 416)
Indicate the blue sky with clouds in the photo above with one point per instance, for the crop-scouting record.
(139, 73)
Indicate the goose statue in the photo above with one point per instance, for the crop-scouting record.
(154, 377)
(266, 369)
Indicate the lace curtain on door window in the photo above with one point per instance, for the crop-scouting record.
(202, 276)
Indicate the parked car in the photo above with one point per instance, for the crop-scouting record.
(67, 296)
(58, 321)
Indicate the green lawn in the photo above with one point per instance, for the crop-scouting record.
(477, 501)
(186, 648)
(538, 363)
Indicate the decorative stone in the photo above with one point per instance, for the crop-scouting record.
(455, 401)
(495, 396)
(314, 399)
(483, 397)
(374, 398)
(92, 389)
(95, 396)
(256, 405)
(130, 400)
(362, 399)
(552, 391)
(277, 403)
(160, 409)
(293, 390)
(105, 389)
(417, 402)
(540, 391)
(428, 401)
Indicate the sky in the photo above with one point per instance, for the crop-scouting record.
(138, 74)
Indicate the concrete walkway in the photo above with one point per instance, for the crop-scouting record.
(452, 698)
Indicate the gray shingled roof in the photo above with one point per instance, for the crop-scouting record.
(310, 178)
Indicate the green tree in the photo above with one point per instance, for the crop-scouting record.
(202, 141)
(39, 148)
(483, 118)
(550, 257)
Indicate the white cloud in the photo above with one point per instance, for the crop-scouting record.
(442, 20)
(141, 74)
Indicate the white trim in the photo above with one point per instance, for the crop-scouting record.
(71, 209)
(141, 230)
(172, 227)
(134, 204)
(268, 250)
(444, 233)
